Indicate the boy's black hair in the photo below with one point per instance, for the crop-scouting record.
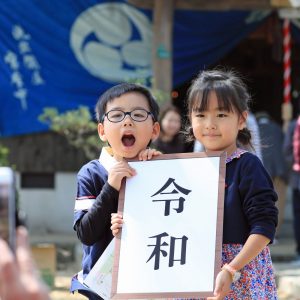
(121, 89)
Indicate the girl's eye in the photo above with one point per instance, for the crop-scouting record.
(199, 115)
(222, 115)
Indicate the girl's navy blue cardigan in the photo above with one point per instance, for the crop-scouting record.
(249, 206)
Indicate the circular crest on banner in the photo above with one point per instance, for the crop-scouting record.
(112, 41)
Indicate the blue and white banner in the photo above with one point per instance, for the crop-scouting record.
(64, 54)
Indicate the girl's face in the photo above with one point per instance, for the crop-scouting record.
(171, 123)
(216, 128)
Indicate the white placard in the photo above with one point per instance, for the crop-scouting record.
(171, 242)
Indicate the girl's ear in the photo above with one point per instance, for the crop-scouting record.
(243, 120)
(101, 132)
(155, 131)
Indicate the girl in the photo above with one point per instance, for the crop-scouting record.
(170, 139)
(218, 109)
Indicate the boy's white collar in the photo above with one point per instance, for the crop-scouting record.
(106, 158)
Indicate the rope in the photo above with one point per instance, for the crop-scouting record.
(286, 106)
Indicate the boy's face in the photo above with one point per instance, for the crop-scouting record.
(128, 137)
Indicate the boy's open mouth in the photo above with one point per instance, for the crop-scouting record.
(128, 140)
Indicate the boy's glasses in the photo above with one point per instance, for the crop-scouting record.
(138, 115)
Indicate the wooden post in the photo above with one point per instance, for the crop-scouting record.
(281, 3)
(162, 45)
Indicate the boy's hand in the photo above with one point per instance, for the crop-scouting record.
(148, 153)
(116, 223)
(222, 288)
(120, 170)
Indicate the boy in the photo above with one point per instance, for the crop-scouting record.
(127, 120)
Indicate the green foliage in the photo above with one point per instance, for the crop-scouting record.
(77, 126)
(4, 156)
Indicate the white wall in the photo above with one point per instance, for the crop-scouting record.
(50, 210)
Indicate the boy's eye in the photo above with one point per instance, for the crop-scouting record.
(115, 115)
(138, 115)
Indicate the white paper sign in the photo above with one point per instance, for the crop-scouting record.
(170, 242)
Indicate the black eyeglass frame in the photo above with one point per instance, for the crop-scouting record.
(128, 113)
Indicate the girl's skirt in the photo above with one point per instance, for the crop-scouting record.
(257, 281)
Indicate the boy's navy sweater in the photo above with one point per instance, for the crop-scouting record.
(93, 224)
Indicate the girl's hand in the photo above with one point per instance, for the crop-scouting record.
(120, 170)
(148, 153)
(116, 223)
(222, 288)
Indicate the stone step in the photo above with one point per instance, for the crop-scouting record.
(287, 274)
(287, 280)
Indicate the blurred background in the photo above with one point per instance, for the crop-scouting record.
(58, 57)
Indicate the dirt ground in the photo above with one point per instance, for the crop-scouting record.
(60, 291)
(62, 281)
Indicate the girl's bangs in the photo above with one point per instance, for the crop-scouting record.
(200, 100)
